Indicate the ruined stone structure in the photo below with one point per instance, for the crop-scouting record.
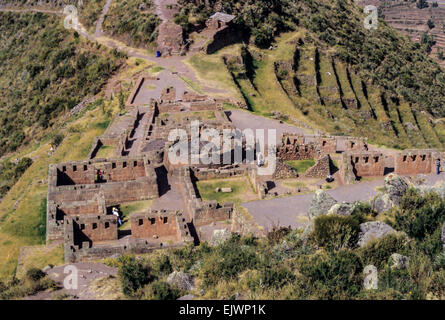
(367, 164)
(137, 168)
(202, 212)
(93, 237)
(321, 169)
(355, 144)
(411, 162)
(170, 38)
(297, 151)
(327, 144)
(75, 189)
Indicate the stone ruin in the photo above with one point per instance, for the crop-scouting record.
(79, 201)
(91, 237)
(357, 159)
(75, 190)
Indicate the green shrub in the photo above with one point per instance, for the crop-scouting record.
(35, 274)
(227, 260)
(133, 274)
(57, 139)
(275, 277)
(379, 251)
(335, 231)
(419, 215)
(440, 260)
(160, 290)
(400, 281)
(334, 275)
(162, 265)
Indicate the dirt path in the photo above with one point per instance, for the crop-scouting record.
(175, 65)
(99, 32)
(136, 139)
(291, 211)
(88, 275)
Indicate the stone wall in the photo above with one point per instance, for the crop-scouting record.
(156, 224)
(93, 228)
(368, 164)
(411, 162)
(295, 151)
(202, 212)
(96, 237)
(354, 144)
(321, 169)
(168, 95)
(327, 144)
(192, 97)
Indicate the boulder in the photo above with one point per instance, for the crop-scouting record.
(373, 230)
(181, 280)
(395, 188)
(371, 280)
(320, 204)
(398, 261)
(226, 190)
(381, 203)
(220, 236)
(307, 232)
(342, 209)
(438, 188)
(187, 297)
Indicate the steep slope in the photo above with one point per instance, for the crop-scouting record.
(408, 18)
(46, 71)
(134, 22)
(341, 76)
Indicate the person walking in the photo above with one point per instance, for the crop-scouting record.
(116, 213)
(438, 166)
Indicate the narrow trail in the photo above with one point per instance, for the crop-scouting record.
(174, 64)
(99, 32)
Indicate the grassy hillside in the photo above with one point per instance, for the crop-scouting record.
(46, 71)
(328, 70)
(132, 21)
(23, 209)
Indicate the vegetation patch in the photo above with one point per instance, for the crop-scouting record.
(300, 166)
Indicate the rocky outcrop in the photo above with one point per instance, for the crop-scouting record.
(381, 203)
(320, 204)
(373, 230)
(181, 280)
(343, 209)
(398, 261)
(439, 189)
(395, 188)
(220, 236)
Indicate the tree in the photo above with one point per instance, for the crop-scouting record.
(430, 24)
(421, 4)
